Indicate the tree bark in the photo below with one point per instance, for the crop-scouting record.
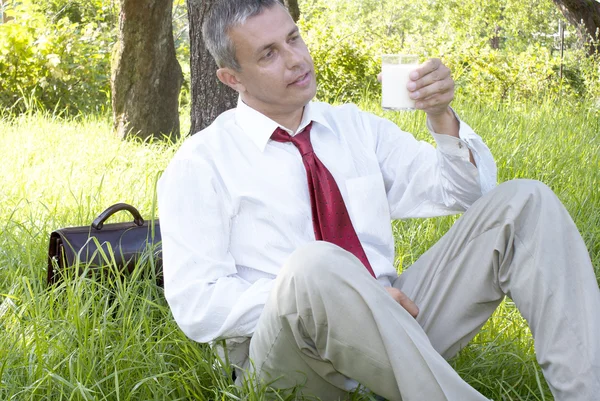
(146, 77)
(209, 96)
(292, 6)
(3, 17)
(495, 40)
(585, 15)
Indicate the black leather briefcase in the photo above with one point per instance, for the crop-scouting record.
(119, 245)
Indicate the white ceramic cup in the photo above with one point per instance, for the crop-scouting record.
(395, 69)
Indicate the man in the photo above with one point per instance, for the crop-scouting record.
(243, 202)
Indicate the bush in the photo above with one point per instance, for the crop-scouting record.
(505, 52)
(344, 67)
(55, 64)
(493, 75)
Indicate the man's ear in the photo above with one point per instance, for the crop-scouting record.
(230, 78)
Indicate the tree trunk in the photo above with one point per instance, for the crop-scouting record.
(495, 40)
(209, 96)
(585, 15)
(146, 77)
(292, 6)
(3, 17)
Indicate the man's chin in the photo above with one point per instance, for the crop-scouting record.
(307, 99)
(311, 92)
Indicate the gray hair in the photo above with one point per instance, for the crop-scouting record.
(222, 17)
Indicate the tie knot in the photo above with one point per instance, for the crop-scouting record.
(301, 140)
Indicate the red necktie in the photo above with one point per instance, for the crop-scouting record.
(331, 221)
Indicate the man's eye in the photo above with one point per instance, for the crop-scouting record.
(268, 54)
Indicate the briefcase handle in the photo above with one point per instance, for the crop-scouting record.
(98, 223)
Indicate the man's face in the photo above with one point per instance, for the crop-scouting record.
(277, 74)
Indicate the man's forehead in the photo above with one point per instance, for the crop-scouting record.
(269, 19)
(264, 28)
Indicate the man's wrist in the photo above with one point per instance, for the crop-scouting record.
(444, 123)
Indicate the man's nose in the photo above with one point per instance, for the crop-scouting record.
(293, 57)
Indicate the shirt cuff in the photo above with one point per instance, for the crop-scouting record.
(469, 140)
(451, 145)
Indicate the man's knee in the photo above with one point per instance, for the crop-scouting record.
(526, 187)
(531, 192)
(313, 259)
(322, 266)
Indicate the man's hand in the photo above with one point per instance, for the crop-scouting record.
(432, 88)
(403, 300)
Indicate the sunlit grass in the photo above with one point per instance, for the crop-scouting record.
(87, 339)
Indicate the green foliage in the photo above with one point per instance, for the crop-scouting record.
(496, 75)
(344, 68)
(79, 11)
(55, 54)
(497, 50)
(583, 72)
(50, 61)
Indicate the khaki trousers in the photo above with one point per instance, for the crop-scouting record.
(327, 320)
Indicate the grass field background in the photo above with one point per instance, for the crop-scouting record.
(91, 340)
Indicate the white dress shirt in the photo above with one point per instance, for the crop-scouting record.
(235, 204)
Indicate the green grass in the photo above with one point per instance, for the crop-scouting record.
(116, 340)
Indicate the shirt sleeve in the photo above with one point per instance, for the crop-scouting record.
(425, 181)
(468, 139)
(207, 297)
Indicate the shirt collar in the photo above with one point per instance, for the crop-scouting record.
(259, 127)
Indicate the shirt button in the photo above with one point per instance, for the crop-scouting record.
(460, 145)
